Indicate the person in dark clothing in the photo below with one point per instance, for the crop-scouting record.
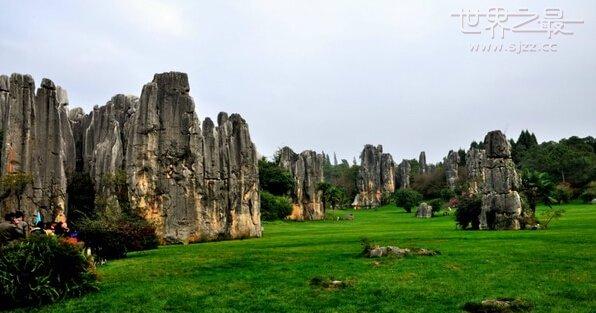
(9, 230)
(22, 226)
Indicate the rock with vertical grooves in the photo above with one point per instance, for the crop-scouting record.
(403, 174)
(307, 170)
(451, 163)
(192, 187)
(376, 176)
(37, 141)
(422, 162)
(501, 204)
(475, 159)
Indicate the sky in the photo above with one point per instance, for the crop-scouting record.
(324, 75)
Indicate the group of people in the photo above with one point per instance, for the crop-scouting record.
(15, 227)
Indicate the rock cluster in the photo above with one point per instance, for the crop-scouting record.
(37, 144)
(194, 183)
(403, 174)
(376, 177)
(307, 170)
(501, 204)
(451, 163)
(377, 252)
(424, 210)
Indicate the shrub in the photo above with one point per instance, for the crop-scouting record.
(563, 192)
(468, 212)
(447, 194)
(589, 193)
(104, 238)
(550, 215)
(138, 234)
(113, 238)
(437, 204)
(407, 198)
(43, 269)
(274, 207)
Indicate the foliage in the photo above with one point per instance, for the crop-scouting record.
(112, 237)
(571, 160)
(274, 179)
(103, 237)
(563, 193)
(274, 207)
(525, 142)
(430, 185)
(343, 176)
(407, 198)
(537, 187)
(81, 197)
(333, 196)
(589, 193)
(437, 204)
(43, 269)
(549, 215)
(468, 211)
(14, 184)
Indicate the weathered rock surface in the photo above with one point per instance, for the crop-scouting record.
(404, 171)
(451, 163)
(193, 185)
(375, 177)
(37, 141)
(422, 162)
(475, 159)
(501, 204)
(307, 170)
(424, 211)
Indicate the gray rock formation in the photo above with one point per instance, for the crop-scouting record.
(37, 142)
(376, 177)
(475, 159)
(404, 171)
(501, 204)
(422, 162)
(424, 211)
(307, 170)
(451, 163)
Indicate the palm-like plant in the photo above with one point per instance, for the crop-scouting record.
(537, 187)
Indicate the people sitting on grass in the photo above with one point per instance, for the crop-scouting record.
(15, 227)
(9, 229)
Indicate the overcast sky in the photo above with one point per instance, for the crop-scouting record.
(323, 75)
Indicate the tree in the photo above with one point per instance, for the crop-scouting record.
(15, 184)
(537, 187)
(274, 207)
(407, 198)
(468, 211)
(275, 179)
(333, 196)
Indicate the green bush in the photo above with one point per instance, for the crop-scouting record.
(104, 238)
(563, 193)
(437, 204)
(113, 238)
(589, 193)
(407, 198)
(274, 207)
(138, 234)
(43, 269)
(468, 212)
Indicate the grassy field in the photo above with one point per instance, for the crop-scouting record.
(554, 269)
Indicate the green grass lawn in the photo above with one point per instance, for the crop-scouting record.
(554, 269)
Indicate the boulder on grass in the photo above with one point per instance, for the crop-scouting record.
(424, 210)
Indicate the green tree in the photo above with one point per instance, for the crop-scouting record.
(274, 207)
(537, 187)
(275, 179)
(407, 199)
